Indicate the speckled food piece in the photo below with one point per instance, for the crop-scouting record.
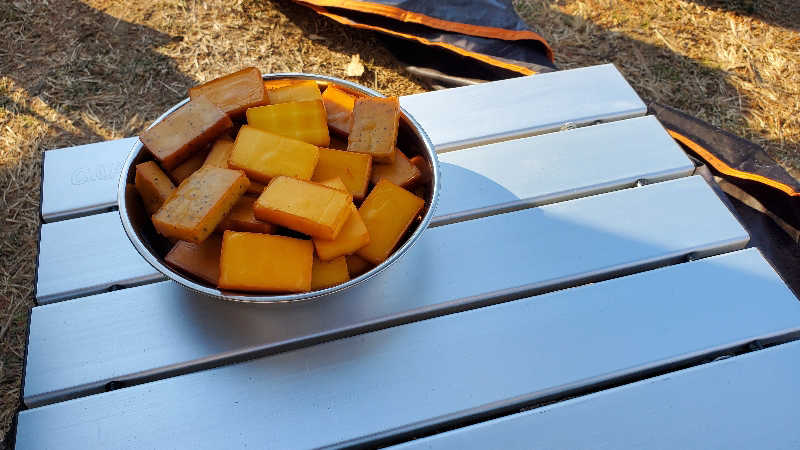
(235, 92)
(200, 203)
(153, 184)
(186, 130)
(374, 130)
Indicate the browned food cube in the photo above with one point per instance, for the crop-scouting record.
(241, 218)
(375, 126)
(424, 168)
(153, 184)
(401, 172)
(234, 93)
(357, 265)
(200, 260)
(188, 167)
(256, 188)
(186, 130)
(200, 203)
(219, 154)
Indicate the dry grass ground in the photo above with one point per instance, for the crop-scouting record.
(75, 72)
(733, 63)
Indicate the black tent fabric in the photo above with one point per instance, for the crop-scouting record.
(483, 40)
(457, 42)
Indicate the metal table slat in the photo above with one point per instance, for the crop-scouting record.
(474, 183)
(525, 106)
(446, 369)
(77, 346)
(748, 401)
(85, 255)
(522, 173)
(82, 180)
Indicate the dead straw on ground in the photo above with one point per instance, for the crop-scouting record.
(75, 72)
(732, 63)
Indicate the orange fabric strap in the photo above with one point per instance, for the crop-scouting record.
(412, 17)
(724, 168)
(479, 56)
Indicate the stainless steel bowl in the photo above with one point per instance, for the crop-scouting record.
(411, 138)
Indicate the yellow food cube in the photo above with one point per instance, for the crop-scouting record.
(300, 91)
(235, 92)
(264, 155)
(401, 172)
(353, 236)
(219, 154)
(357, 265)
(310, 208)
(265, 262)
(242, 218)
(325, 274)
(186, 130)
(153, 184)
(335, 183)
(278, 83)
(199, 204)
(375, 125)
(339, 106)
(188, 167)
(353, 168)
(200, 260)
(387, 212)
(304, 121)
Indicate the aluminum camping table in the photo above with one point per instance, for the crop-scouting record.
(579, 287)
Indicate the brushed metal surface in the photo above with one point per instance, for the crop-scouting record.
(451, 367)
(468, 116)
(83, 179)
(85, 255)
(555, 167)
(475, 182)
(524, 106)
(77, 347)
(748, 401)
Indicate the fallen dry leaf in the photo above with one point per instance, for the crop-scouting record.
(354, 68)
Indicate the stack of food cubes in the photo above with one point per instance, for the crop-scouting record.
(264, 202)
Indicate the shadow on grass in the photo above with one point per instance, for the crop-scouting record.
(784, 13)
(91, 67)
(342, 39)
(658, 73)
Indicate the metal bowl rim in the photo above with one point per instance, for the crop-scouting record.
(281, 298)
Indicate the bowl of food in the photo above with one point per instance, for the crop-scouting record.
(278, 188)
